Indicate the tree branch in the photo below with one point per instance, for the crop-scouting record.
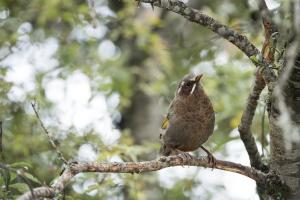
(222, 30)
(138, 167)
(246, 121)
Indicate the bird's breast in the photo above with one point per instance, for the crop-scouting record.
(197, 116)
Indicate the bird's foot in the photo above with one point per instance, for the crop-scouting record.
(211, 159)
(186, 157)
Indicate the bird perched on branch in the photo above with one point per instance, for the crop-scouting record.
(190, 120)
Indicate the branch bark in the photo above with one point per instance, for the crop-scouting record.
(138, 167)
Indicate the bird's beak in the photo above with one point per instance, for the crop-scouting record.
(198, 77)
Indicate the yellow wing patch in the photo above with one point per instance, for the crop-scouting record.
(165, 123)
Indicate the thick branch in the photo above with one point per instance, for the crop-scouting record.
(138, 167)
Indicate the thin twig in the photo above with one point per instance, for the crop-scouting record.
(139, 167)
(51, 140)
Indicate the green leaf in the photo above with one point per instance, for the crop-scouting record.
(13, 176)
(31, 177)
(20, 165)
(21, 187)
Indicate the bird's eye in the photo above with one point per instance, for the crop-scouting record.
(189, 84)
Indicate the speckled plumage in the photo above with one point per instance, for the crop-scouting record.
(190, 118)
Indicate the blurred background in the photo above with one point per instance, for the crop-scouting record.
(103, 73)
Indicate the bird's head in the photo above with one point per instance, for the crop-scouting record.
(189, 85)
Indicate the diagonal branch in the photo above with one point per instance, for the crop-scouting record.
(138, 167)
(222, 30)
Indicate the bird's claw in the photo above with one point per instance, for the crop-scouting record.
(212, 160)
(186, 157)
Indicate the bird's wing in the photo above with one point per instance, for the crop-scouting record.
(166, 119)
(164, 126)
(165, 123)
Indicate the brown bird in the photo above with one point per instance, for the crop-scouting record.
(190, 120)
